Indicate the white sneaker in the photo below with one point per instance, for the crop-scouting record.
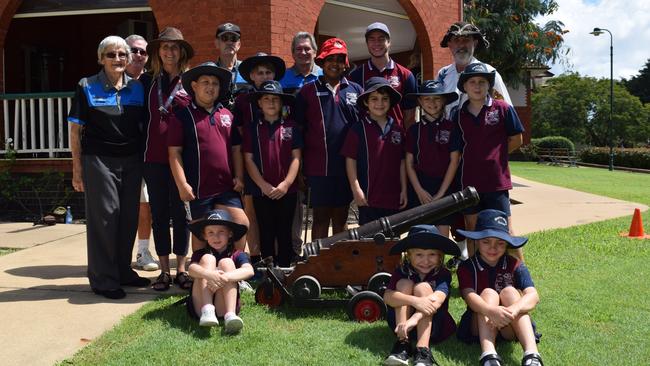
(233, 325)
(244, 286)
(208, 317)
(145, 261)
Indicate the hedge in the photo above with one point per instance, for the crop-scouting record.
(638, 158)
(548, 142)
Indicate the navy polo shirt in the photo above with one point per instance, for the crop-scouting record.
(156, 122)
(325, 118)
(207, 141)
(271, 146)
(245, 112)
(477, 275)
(111, 118)
(400, 78)
(293, 80)
(430, 143)
(440, 279)
(239, 257)
(484, 141)
(379, 155)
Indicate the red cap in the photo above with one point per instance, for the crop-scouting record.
(333, 46)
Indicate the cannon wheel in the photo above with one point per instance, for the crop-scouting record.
(378, 282)
(268, 294)
(306, 287)
(366, 306)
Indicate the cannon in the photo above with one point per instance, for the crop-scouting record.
(356, 260)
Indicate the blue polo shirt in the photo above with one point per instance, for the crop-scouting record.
(477, 275)
(379, 154)
(293, 80)
(430, 143)
(237, 81)
(325, 118)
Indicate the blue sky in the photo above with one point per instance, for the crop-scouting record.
(629, 22)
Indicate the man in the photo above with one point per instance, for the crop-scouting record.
(463, 39)
(228, 42)
(304, 69)
(380, 64)
(139, 55)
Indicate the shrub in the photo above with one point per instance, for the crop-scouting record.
(638, 158)
(553, 142)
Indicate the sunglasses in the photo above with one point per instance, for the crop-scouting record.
(229, 38)
(138, 51)
(115, 55)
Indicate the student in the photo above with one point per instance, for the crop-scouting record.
(272, 156)
(217, 270)
(498, 290)
(488, 131)
(374, 151)
(418, 295)
(431, 158)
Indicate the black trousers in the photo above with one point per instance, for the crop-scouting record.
(275, 220)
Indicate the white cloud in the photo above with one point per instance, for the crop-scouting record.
(629, 22)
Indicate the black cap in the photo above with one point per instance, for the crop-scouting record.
(228, 28)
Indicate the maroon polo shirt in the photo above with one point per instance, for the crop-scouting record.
(430, 143)
(379, 155)
(207, 141)
(271, 145)
(245, 112)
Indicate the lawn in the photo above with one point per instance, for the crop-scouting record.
(592, 283)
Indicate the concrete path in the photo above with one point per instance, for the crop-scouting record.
(49, 311)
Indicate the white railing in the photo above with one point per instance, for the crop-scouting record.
(36, 123)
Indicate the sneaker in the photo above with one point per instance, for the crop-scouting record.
(233, 325)
(208, 317)
(533, 359)
(145, 261)
(399, 355)
(491, 360)
(423, 357)
(245, 287)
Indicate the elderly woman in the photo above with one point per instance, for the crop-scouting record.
(164, 94)
(106, 142)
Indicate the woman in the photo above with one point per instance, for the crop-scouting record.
(105, 138)
(164, 93)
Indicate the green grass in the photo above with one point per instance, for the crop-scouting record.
(4, 251)
(592, 283)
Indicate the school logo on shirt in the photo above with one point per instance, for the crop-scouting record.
(502, 281)
(225, 120)
(396, 137)
(492, 117)
(394, 81)
(351, 98)
(443, 136)
(286, 134)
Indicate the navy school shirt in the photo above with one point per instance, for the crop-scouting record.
(111, 118)
(477, 275)
(325, 118)
(430, 143)
(379, 155)
(239, 257)
(439, 279)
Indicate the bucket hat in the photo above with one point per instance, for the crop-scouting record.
(208, 68)
(476, 69)
(375, 83)
(426, 237)
(494, 223)
(218, 217)
(433, 87)
(250, 63)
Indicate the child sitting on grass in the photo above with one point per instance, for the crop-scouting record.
(498, 290)
(417, 295)
(217, 270)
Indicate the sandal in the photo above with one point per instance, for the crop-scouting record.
(183, 280)
(163, 282)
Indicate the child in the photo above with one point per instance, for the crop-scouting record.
(417, 295)
(431, 158)
(217, 269)
(272, 156)
(488, 130)
(374, 151)
(498, 290)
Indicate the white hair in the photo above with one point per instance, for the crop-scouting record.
(115, 42)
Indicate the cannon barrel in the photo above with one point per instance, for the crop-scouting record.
(397, 224)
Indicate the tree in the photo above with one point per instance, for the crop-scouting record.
(577, 107)
(639, 85)
(516, 41)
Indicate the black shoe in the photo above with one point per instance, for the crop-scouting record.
(533, 359)
(399, 355)
(491, 360)
(423, 357)
(113, 294)
(137, 282)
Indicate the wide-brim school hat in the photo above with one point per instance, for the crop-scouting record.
(372, 85)
(464, 29)
(170, 34)
(217, 217)
(425, 237)
(476, 69)
(494, 223)
(250, 63)
(208, 68)
(332, 46)
(273, 87)
(433, 87)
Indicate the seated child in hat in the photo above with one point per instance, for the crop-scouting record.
(431, 157)
(418, 295)
(272, 155)
(217, 270)
(498, 290)
(488, 130)
(374, 151)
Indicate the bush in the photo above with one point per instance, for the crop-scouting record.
(638, 158)
(553, 142)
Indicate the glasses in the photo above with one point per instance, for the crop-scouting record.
(115, 55)
(229, 38)
(138, 51)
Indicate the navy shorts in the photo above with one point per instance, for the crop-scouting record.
(499, 200)
(431, 185)
(329, 191)
(199, 207)
(442, 326)
(464, 333)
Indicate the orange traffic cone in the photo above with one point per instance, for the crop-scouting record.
(636, 227)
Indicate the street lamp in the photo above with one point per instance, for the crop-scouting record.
(597, 32)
